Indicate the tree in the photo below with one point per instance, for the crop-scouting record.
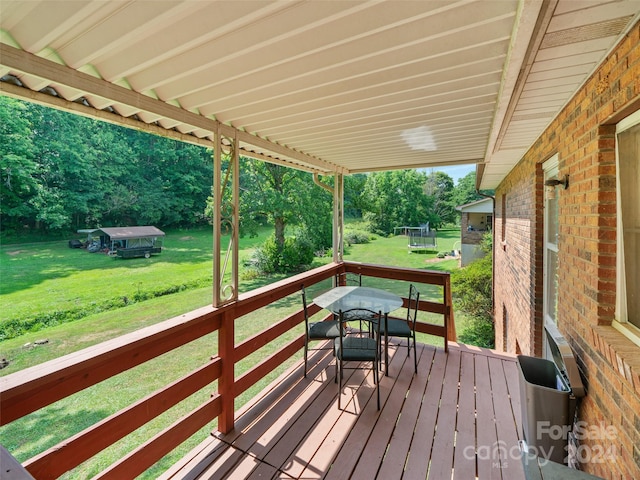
(354, 204)
(465, 191)
(471, 288)
(396, 198)
(282, 197)
(62, 171)
(439, 186)
(17, 164)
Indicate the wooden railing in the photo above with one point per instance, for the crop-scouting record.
(34, 388)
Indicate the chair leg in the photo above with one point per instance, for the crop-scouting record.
(306, 348)
(376, 376)
(340, 385)
(386, 355)
(415, 356)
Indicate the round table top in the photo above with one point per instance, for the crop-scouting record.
(346, 298)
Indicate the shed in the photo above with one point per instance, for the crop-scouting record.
(129, 242)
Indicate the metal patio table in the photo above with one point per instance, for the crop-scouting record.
(346, 298)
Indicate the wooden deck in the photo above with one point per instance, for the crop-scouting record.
(458, 418)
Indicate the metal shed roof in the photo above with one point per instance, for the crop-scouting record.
(344, 85)
(121, 233)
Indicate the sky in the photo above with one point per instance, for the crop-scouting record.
(455, 171)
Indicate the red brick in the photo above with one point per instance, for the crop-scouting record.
(587, 251)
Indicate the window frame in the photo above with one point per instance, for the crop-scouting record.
(621, 321)
(550, 169)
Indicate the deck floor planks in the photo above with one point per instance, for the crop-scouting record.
(421, 446)
(487, 437)
(401, 377)
(254, 423)
(294, 429)
(211, 448)
(464, 462)
(506, 427)
(310, 451)
(443, 442)
(512, 376)
(304, 435)
(400, 444)
(356, 441)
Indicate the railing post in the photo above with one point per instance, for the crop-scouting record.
(449, 322)
(226, 351)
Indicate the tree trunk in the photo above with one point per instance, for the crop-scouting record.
(279, 231)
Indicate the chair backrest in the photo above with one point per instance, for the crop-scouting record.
(412, 308)
(361, 315)
(349, 278)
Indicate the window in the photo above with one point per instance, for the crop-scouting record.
(628, 226)
(550, 252)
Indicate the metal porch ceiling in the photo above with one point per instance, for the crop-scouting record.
(350, 86)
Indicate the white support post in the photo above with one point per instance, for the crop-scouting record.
(225, 220)
(338, 218)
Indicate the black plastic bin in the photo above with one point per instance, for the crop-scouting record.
(548, 396)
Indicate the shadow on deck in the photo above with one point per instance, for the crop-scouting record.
(458, 418)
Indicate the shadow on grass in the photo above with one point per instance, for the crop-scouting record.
(41, 430)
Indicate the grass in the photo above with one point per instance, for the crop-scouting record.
(50, 275)
(46, 283)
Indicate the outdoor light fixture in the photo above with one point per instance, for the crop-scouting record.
(554, 182)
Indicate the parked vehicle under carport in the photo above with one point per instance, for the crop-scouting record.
(127, 242)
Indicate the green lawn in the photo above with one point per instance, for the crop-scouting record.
(45, 280)
(42, 277)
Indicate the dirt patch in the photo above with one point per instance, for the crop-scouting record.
(435, 260)
(185, 239)
(16, 252)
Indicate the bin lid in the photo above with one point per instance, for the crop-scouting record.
(564, 359)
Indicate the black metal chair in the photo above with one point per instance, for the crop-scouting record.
(358, 346)
(349, 279)
(323, 330)
(404, 327)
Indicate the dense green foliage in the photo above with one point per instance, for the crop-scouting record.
(471, 287)
(439, 187)
(61, 172)
(64, 172)
(294, 255)
(396, 198)
(465, 191)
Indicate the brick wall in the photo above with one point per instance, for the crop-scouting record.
(583, 135)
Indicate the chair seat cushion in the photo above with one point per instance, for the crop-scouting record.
(356, 348)
(328, 329)
(396, 328)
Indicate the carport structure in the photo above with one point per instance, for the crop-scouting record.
(332, 88)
